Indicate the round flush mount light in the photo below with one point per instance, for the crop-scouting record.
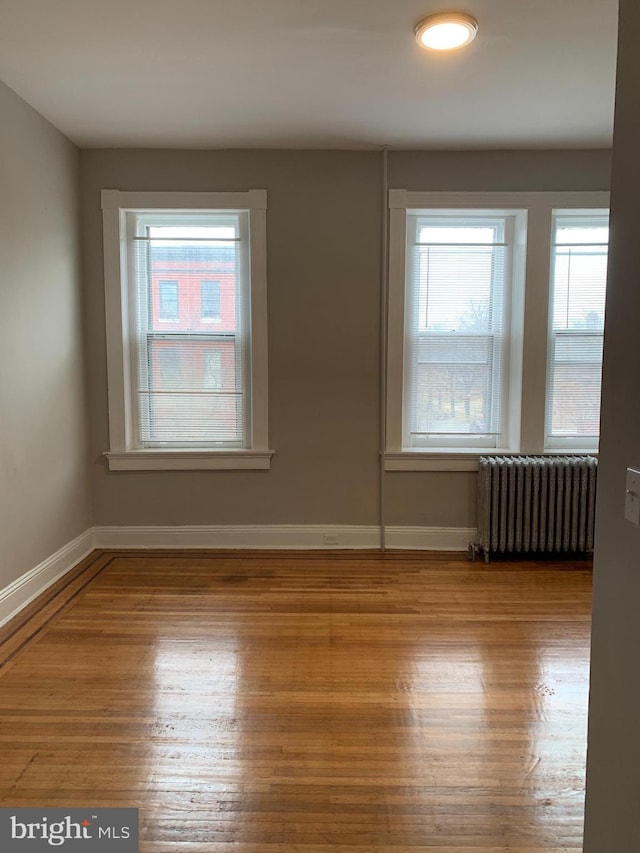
(446, 31)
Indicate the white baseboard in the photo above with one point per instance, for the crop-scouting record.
(268, 536)
(30, 585)
(24, 589)
(284, 536)
(430, 538)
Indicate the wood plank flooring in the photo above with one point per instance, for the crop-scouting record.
(306, 703)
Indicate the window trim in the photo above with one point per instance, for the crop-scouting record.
(123, 454)
(530, 333)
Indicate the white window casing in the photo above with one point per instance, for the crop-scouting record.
(186, 394)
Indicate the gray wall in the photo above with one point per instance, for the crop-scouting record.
(613, 766)
(323, 222)
(323, 273)
(44, 484)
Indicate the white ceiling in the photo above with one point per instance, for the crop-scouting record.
(312, 73)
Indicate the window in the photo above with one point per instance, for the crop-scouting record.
(578, 287)
(184, 394)
(486, 349)
(210, 300)
(457, 328)
(168, 300)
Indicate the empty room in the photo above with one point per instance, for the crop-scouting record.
(319, 451)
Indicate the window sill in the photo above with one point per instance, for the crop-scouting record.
(459, 460)
(190, 460)
(568, 451)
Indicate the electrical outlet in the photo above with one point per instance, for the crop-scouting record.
(330, 538)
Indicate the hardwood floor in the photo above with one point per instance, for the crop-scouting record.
(306, 703)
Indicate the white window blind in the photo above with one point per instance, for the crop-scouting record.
(456, 328)
(190, 380)
(578, 286)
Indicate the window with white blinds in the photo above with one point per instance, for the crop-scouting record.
(458, 282)
(190, 387)
(186, 329)
(578, 288)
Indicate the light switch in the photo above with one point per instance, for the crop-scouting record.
(632, 499)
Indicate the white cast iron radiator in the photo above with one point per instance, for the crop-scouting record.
(535, 504)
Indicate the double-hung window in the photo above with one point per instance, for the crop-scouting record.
(578, 287)
(185, 392)
(456, 352)
(495, 325)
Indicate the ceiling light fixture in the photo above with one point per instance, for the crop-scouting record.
(446, 31)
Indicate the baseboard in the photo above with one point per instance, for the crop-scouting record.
(24, 589)
(283, 536)
(30, 585)
(271, 536)
(430, 538)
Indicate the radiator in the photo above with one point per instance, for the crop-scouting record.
(535, 504)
